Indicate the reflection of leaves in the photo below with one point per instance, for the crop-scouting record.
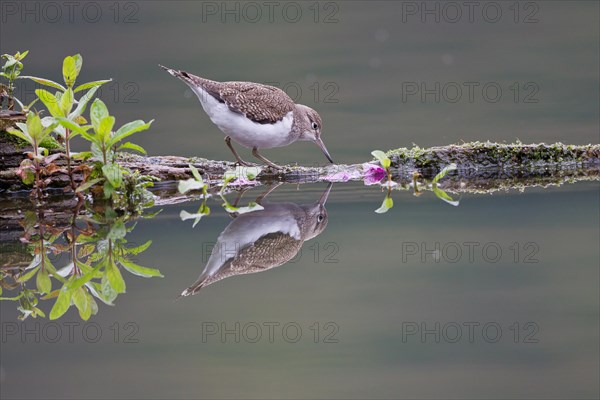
(195, 183)
(117, 231)
(43, 282)
(443, 173)
(115, 278)
(387, 204)
(98, 253)
(252, 206)
(441, 194)
(202, 211)
(190, 184)
(444, 196)
(139, 270)
(63, 302)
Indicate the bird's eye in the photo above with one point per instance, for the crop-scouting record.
(320, 218)
(315, 126)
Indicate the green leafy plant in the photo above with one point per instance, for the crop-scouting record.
(441, 194)
(385, 162)
(194, 183)
(61, 104)
(11, 71)
(105, 143)
(242, 176)
(33, 132)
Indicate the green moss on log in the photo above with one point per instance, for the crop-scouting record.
(495, 155)
(48, 143)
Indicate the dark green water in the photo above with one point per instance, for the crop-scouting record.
(508, 307)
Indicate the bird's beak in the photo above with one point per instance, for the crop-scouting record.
(325, 194)
(320, 143)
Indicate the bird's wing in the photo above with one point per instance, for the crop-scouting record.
(260, 103)
(271, 250)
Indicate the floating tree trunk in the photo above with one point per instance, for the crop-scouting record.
(476, 159)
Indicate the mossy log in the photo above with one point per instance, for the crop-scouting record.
(474, 160)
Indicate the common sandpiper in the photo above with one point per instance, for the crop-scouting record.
(254, 115)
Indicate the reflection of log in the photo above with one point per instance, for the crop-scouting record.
(59, 207)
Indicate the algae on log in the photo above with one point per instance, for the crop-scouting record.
(476, 156)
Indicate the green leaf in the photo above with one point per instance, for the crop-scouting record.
(383, 159)
(106, 293)
(71, 68)
(43, 282)
(443, 173)
(28, 275)
(19, 134)
(94, 84)
(73, 126)
(35, 127)
(83, 101)
(82, 155)
(195, 173)
(93, 304)
(52, 270)
(132, 146)
(105, 128)
(128, 130)
(114, 174)
(98, 112)
(45, 82)
(81, 301)
(12, 298)
(139, 270)
(442, 195)
(85, 278)
(108, 190)
(51, 102)
(184, 215)
(252, 206)
(226, 180)
(63, 302)
(190, 184)
(134, 251)
(252, 172)
(115, 278)
(10, 61)
(88, 184)
(66, 102)
(117, 230)
(386, 205)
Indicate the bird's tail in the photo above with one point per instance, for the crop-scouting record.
(195, 288)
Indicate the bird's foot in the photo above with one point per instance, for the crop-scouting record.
(243, 163)
(275, 167)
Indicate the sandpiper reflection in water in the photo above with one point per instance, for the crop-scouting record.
(263, 239)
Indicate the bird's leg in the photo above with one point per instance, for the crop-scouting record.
(237, 156)
(239, 196)
(263, 159)
(260, 198)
